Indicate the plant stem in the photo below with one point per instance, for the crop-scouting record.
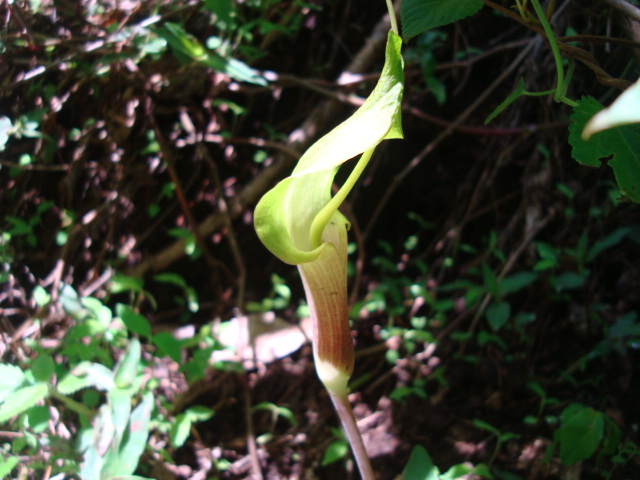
(72, 404)
(324, 215)
(561, 86)
(392, 18)
(342, 406)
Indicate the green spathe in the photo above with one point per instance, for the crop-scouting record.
(284, 216)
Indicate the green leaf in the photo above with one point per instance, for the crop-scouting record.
(490, 280)
(86, 374)
(38, 418)
(122, 283)
(70, 301)
(188, 49)
(168, 345)
(516, 282)
(418, 16)
(609, 241)
(134, 321)
(498, 314)
(42, 367)
(291, 217)
(221, 8)
(569, 281)
(22, 400)
(420, 466)
(337, 450)
(517, 93)
(486, 426)
(180, 430)
(580, 433)
(127, 370)
(198, 413)
(622, 144)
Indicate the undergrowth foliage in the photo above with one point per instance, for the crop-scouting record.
(488, 279)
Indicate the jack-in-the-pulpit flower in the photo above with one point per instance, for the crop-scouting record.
(299, 222)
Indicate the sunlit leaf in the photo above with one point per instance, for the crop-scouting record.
(22, 399)
(42, 367)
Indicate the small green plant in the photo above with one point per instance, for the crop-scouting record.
(113, 434)
(276, 413)
(545, 401)
(501, 437)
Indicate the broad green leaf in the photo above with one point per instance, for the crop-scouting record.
(623, 111)
(22, 400)
(168, 345)
(498, 314)
(516, 282)
(418, 16)
(420, 466)
(580, 433)
(284, 216)
(621, 143)
(38, 418)
(86, 374)
(134, 321)
(42, 367)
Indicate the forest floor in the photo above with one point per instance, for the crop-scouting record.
(494, 281)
